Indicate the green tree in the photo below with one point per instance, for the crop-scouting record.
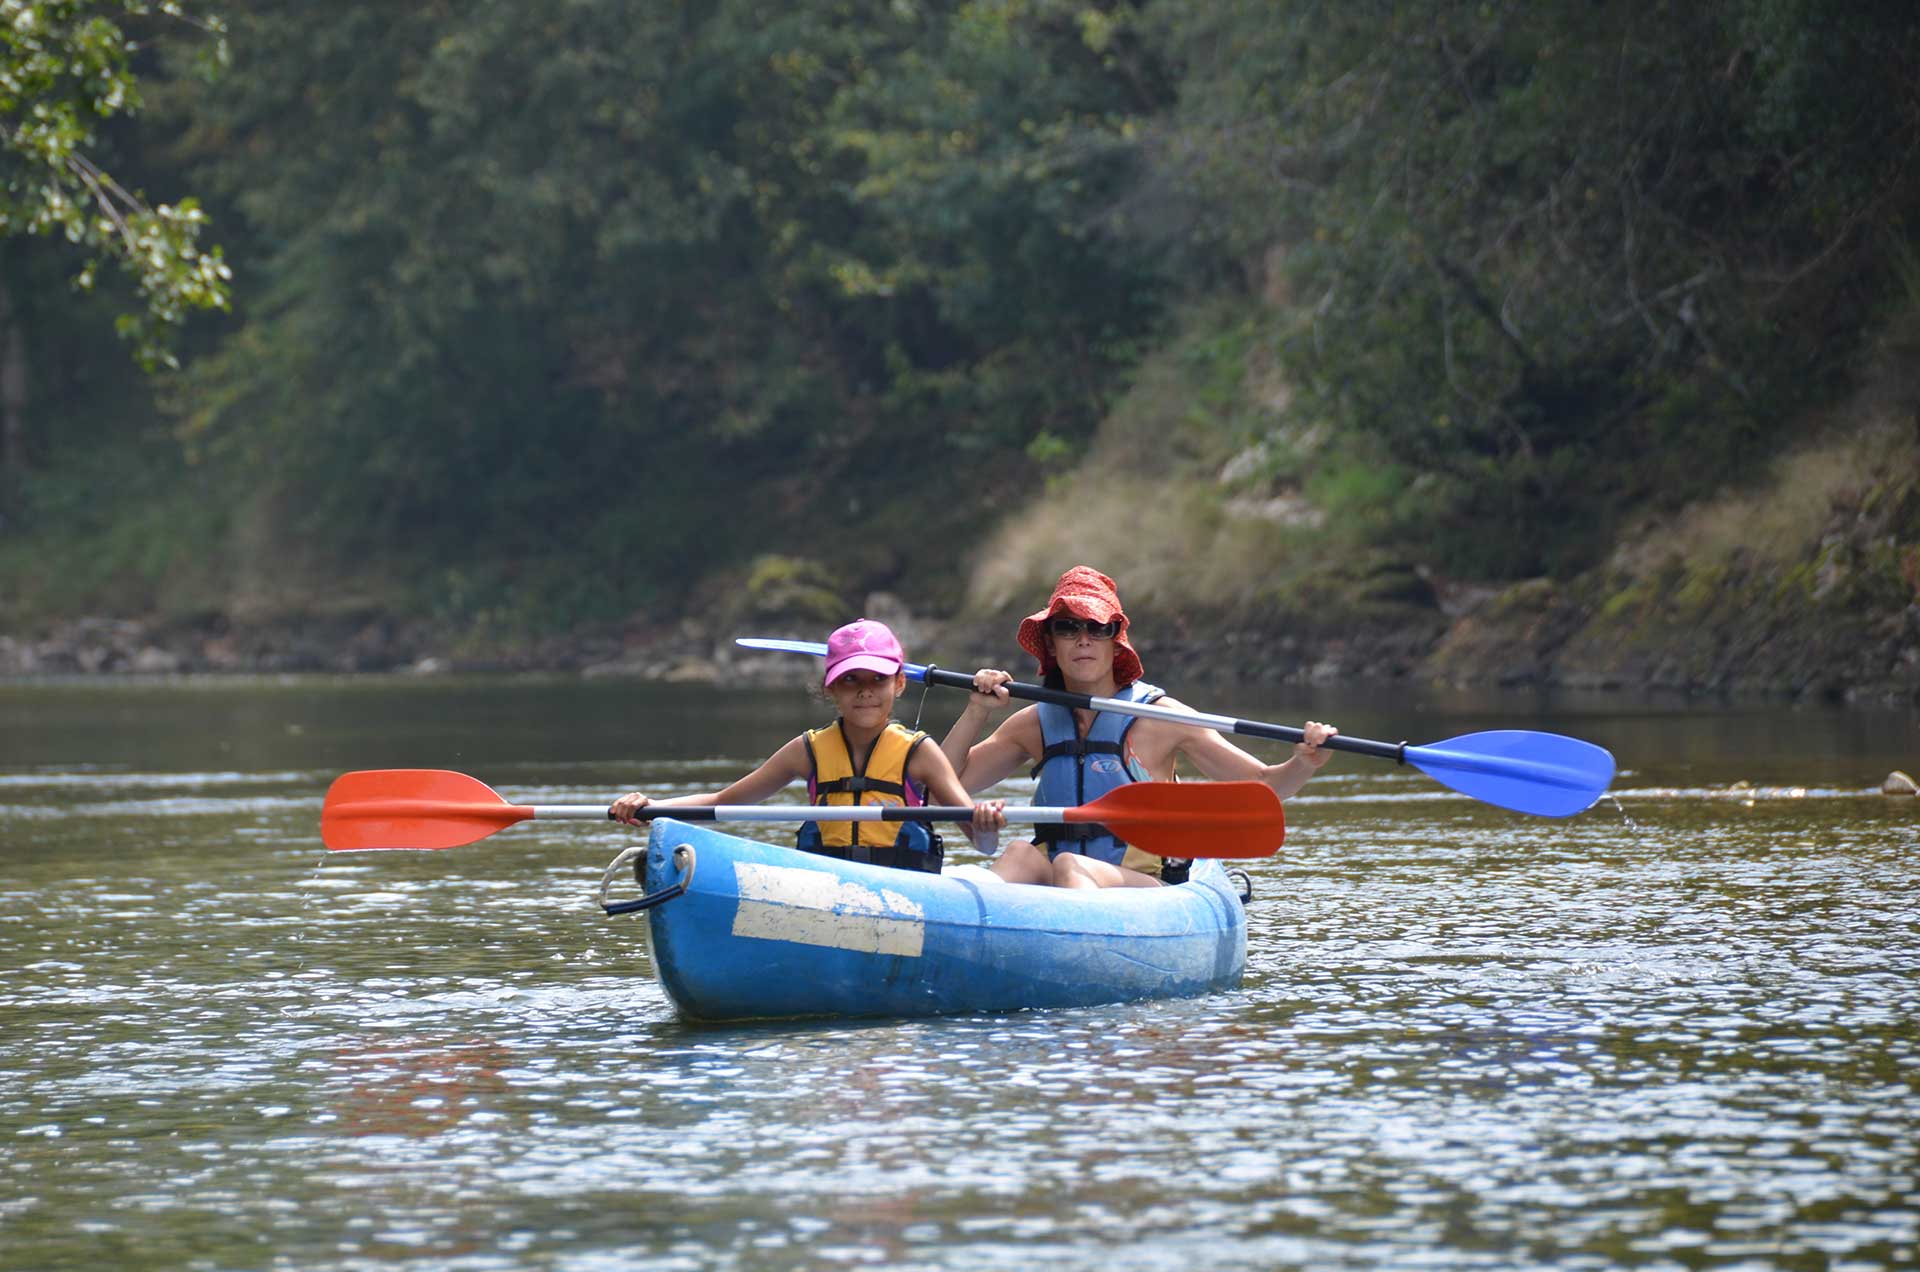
(1551, 260)
(994, 156)
(68, 70)
(554, 277)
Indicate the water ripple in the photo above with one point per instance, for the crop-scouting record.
(1465, 1041)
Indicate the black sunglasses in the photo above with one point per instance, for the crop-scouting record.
(1070, 628)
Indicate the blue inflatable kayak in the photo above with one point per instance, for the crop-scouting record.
(748, 930)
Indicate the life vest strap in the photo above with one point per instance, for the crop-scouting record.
(1076, 832)
(1078, 748)
(917, 848)
(859, 784)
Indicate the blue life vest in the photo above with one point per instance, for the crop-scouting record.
(1074, 770)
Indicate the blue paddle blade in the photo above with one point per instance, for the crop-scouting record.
(1540, 773)
(914, 670)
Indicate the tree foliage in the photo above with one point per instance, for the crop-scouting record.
(544, 302)
(67, 70)
(1553, 259)
(543, 273)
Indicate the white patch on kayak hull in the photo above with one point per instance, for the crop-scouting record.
(812, 907)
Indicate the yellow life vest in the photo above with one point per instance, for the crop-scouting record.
(883, 781)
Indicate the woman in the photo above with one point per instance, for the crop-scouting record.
(1080, 639)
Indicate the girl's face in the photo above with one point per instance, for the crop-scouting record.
(865, 698)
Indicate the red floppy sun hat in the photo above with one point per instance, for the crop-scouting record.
(1086, 593)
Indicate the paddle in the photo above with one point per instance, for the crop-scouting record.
(436, 808)
(1545, 774)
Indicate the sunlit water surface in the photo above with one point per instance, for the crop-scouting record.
(1678, 1031)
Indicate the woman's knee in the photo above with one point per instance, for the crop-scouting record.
(1022, 862)
(1071, 870)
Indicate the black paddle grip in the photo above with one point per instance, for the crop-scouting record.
(1247, 728)
(1033, 693)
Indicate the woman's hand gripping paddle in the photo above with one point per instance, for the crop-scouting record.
(434, 808)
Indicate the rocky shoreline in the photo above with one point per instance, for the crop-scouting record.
(1530, 636)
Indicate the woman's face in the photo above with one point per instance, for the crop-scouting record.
(1083, 649)
(865, 698)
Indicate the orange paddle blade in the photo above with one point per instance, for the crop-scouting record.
(412, 808)
(1192, 819)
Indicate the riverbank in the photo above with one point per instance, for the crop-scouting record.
(1740, 642)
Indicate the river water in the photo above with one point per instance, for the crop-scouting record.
(1675, 1032)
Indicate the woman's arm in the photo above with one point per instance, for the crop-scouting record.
(987, 698)
(981, 764)
(1221, 761)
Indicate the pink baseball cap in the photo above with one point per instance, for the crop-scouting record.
(863, 645)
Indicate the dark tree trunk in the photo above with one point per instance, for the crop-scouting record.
(13, 395)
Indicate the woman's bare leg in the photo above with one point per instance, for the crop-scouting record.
(1021, 862)
(1072, 870)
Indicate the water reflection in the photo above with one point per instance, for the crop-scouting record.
(415, 1087)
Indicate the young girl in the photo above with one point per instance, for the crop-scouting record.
(1080, 639)
(863, 757)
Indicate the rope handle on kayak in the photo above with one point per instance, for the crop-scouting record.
(683, 860)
